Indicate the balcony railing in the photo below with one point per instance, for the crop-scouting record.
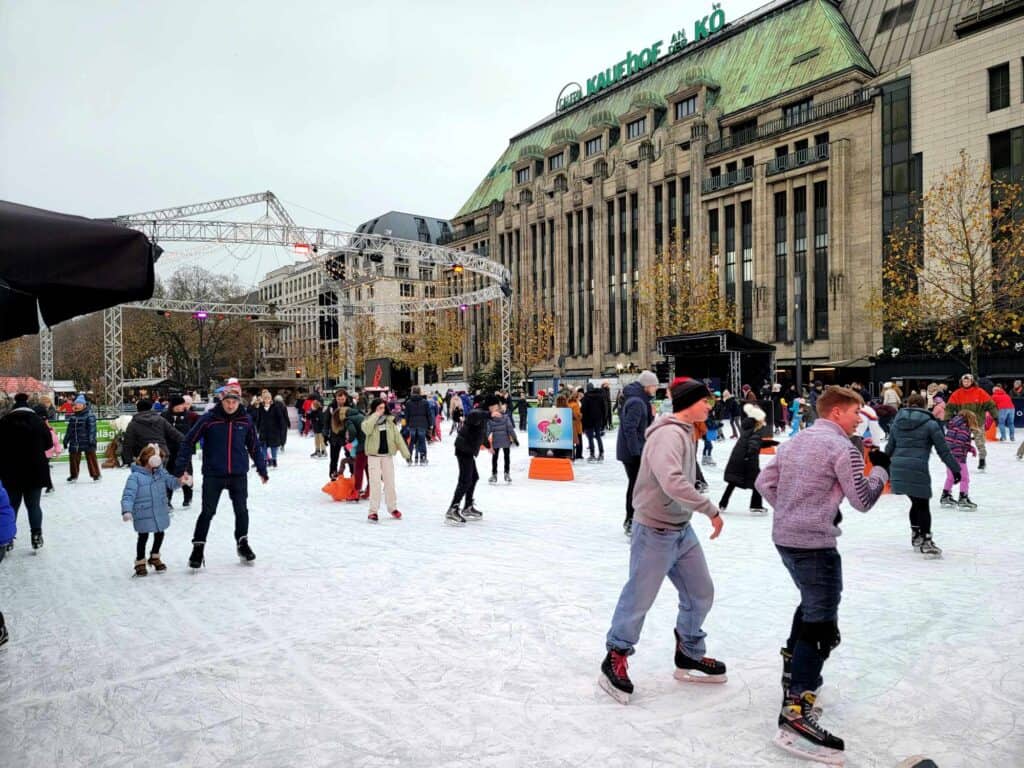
(462, 234)
(726, 180)
(812, 114)
(814, 154)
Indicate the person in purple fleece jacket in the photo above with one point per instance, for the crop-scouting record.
(805, 484)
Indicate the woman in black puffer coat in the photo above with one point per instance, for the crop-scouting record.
(744, 461)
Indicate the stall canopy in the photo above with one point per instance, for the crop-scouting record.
(722, 355)
(63, 266)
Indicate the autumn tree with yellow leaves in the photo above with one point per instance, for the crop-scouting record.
(533, 335)
(953, 278)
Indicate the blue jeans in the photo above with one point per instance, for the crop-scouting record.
(272, 452)
(655, 553)
(419, 442)
(1005, 423)
(818, 574)
(31, 497)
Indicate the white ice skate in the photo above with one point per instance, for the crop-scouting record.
(797, 745)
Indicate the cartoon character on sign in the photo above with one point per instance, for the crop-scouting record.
(377, 376)
(551, 431)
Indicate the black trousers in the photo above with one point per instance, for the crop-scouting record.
(494, 459)
(920, 515)
(140, 545)
(632, 470)
(756, 502)
(237, 487)
(467, 479)
(186, 490)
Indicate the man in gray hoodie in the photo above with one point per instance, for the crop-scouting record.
(664, 543)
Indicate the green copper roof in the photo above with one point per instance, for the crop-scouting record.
(775, 53)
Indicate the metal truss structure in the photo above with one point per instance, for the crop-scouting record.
(361, 253)
(45, 354)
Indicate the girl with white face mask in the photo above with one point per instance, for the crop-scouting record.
(144, 503)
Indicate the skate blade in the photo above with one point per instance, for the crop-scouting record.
(917, 761)
(693, 676)
(605, 684)
(802, 748)
(243, 561)
(454, 523)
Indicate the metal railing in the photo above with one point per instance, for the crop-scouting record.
(812, 114)
(806, 156)
(726, 180)
(461, 234)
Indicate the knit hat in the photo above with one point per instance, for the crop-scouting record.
(143, 405)
(754, 412)
(80, 400)
(685, 392)
(21, 399)
(647, 379)
(175, 400)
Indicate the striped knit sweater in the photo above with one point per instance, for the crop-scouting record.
(958, 438)
(806, 483)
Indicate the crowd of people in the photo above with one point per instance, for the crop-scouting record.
(859, 446)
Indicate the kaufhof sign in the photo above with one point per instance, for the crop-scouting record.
(634, 62)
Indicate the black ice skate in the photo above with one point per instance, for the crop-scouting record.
(627, 527)
(758, 511)
(245, 553)
(494, 479)
(196, 559)
(947, 500)
(37, 540)
(614, 679)
(787, 678)
(453, 516)
(705, 670)
(470, 512)
(964, 502)
(981, 465)
(800, 735)
(928, 548)
(4, 637)
(508, 478)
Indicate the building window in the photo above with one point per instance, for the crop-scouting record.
(744, 133)
(523, 175)
(623, 272)
(781, 305)
(1006, 155)
(406, 289)
(673, 214)
(686, 107)
(821, 260)
(636, 128)
(426, 273)
(610, 219)
(798, 113)
(659, 220)
(713, 236)
(999, 87)
(430, 291)
(800, 255)
(402, 271)
(408, 328)
(747, 248)
(556, 162)
(593, 146)
(894, 17)
(686, 212)
(730, 254)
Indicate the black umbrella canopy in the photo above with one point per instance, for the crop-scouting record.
(71, 265)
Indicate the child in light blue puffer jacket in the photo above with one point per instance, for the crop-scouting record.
(144, 502)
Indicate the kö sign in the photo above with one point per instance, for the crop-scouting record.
(637, 62)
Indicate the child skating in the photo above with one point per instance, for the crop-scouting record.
(959, 434)
(501, 434)
(144, 503)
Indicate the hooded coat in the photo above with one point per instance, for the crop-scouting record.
(745, 460)
(145, 496)
(912, 435)
(24, 441)
(149, 427)
(593, 407)
(272, 424)
(634, 418)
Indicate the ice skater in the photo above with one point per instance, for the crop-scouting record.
(144, 503)
(501, 435)
(805, 484)
(472, 437)
(745, 460)
(229, 440)
(959, 434)
(665, 544)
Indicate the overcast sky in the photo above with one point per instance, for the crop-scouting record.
(344, 112)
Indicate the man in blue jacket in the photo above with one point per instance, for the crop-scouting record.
(229, 440)
(635, 416)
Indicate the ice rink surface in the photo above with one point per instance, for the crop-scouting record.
(409, 643)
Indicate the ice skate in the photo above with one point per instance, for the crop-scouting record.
(591, 459)
(245, 553)
(627, 527)
(196, 560)
(508, 478)
(140, 568)
(928, 548)
(614, 679)
(917, 761)
(800, 735)
(704, 670)
(494, 479)
(470, 512)
(37, 540)
(947, 500)
(964, 502)
(372, 517)
(396, 515)
(156, 563)
(453, 516)
(787, 677)
(981, 465)
(600, 458)
(758, 511)
(4, 637)
(701, 486)
(707, 461)
(916, 538)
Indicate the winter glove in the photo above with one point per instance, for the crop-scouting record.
(127, 517)
(879, 459)
(956, 479)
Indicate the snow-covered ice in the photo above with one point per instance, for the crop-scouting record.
(416, 644)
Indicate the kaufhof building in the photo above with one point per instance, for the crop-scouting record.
(753, 144)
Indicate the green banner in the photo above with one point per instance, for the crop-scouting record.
(105, 433)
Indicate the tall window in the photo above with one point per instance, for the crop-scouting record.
(999, 87)
(556, 162)
(523, 175)
(821, 260)
(551, 265)
(579, 285)
(673, 214)
(686, 107)
(798, 113)
(800, 253)
(1006, 155)
(610, 219)
(634, 259)
(593, 146)
(781, 276)
(713, 235)
(747, 246)
(730, 254)
(659, 220)
(590, 279)
(623, 275)
(686, 211)
(570, 295)
(636, 128)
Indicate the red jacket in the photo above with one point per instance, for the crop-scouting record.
(1002, 399)
(972, 399)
